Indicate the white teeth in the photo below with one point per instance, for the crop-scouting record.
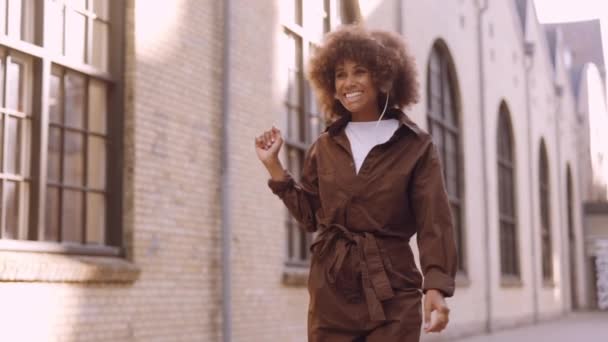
(352, 95)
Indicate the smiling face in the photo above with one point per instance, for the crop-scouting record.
(356, 90)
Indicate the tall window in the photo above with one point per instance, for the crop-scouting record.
(443, 124)
(545, 214)
(15, 140)
(509, 255)
(304, 23)
(571, 237)
(56, 132)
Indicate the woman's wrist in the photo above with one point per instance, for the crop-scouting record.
(275, 169)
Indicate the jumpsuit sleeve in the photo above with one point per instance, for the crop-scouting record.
(301, 198)
(435, 232)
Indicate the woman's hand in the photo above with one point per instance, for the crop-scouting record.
(434, 301)
(268, 145)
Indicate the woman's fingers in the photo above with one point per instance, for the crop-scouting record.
(439, 322)
(259, 142)
(267, 139)
(275, 132)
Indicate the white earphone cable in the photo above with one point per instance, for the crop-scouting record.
(383, 111)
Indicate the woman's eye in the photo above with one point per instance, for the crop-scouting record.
(340, 75)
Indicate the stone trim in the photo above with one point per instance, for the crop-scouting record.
(47, 267)
(295, 276)
(510, 281)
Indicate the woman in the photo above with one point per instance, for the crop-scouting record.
(369, 183)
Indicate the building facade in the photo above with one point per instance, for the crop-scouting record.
(129, 171)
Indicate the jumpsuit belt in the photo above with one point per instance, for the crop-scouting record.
(375, 283)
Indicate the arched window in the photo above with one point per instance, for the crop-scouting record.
(571, 237)
(443, 125)
(545, 213)
(509, 255)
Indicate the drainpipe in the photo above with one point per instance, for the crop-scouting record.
(225, 200)
(482, 8)
(528, 65)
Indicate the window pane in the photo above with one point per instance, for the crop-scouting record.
(51, 232)
(11, 203)
(13, 145)
(96, 218)
(55, 100)
(28, 25)
(74, 100)
(54, 28)
(97, 163)
(292, 52)
(451, 163)
(102, 8)
(1, 72)
(2, 118)
(55, 112)
(314, 122)
(294, 162)
(72, 216)
(75, 36)
(448, 107)
(290, 238)
(437, 137)
(15, 81)
(54, 157)
(26, 130)
(101, 35)
(73, 166)
(97, 107)
(24, 209)
(15, 13)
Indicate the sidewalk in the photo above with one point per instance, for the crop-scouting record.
(581, 327)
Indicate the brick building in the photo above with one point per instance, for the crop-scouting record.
(127, 134)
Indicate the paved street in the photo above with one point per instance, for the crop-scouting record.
(580, 327)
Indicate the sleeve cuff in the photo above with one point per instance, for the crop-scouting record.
(279, 187)
(438, 280)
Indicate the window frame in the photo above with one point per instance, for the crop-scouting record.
(297, 254)
(510, 261)
(438, 121)
(45, 58)
(23, 174)
(546, 236)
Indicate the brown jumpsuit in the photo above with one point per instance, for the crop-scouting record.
(364, 284)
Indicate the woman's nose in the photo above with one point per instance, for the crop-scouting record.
(350, 80)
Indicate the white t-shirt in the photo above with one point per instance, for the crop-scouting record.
(363, 136)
